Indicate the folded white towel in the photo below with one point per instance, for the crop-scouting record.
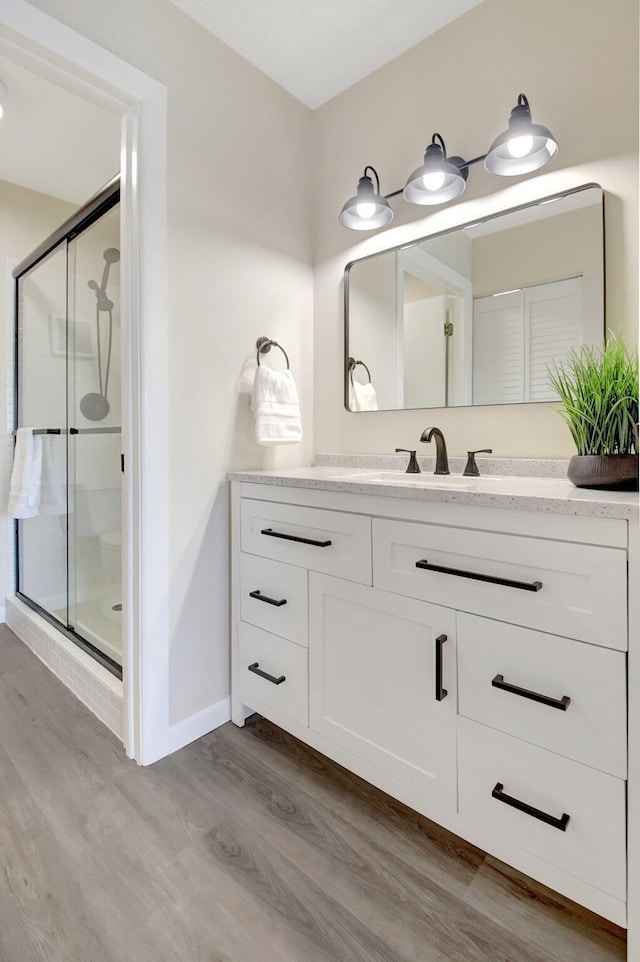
(24, 491)
(53, 489)
(276, 407)
(364, 397)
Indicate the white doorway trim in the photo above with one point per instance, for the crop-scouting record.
(47, 47)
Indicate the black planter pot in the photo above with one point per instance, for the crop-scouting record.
(612, 472)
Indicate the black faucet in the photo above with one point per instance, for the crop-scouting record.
(442, 461)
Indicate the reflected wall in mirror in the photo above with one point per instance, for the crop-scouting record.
(474, 315)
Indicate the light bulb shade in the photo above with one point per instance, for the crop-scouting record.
(522, 148)
(367, 210)
(438, 180)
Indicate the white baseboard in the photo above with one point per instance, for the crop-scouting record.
(195, 726)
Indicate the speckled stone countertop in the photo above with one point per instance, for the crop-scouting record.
(511, 484)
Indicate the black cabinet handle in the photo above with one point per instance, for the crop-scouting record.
(476, 576)
(559, 823)
(293, 537)
(560, 703)
(269, 601)
(441, 692)
(263, 674)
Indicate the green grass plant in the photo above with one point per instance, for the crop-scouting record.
(598, 393)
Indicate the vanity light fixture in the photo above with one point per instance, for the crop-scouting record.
(439, 179)
(521, 149)
(367, 210)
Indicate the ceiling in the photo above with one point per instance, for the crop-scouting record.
(81, 142)
(317, 49)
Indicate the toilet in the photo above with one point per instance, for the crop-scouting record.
(111, 555)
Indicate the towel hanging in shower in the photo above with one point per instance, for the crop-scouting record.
(26, 476)
(53, 486)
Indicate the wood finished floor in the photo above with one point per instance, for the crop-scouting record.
(246, 846)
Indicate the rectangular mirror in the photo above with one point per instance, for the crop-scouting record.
(475, 314)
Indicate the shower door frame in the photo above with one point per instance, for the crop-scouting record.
(96, 207)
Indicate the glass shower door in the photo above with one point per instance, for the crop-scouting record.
(69, 546)
(42, 404)
(94, 465)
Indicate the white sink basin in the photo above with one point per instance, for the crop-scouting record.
(424, 480)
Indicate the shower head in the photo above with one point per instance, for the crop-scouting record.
(111, 256)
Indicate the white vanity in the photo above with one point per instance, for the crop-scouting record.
(460, 643)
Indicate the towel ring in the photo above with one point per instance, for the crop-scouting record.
(264, 345)
(353, 363)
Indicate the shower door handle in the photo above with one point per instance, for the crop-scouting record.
(73, 431)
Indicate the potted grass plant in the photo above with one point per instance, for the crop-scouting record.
(598, 393)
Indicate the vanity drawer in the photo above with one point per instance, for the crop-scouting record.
(555, 586)
(332, 542)
(279, 659)
(592, 845)
(274, 596)
(590, 728)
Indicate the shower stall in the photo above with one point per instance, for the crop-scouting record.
(67, 389)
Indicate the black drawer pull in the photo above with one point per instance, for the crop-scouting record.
(475, 576)
(294, 537)
(559, 823)
(560, 703)
(268, 601)
(441, 692)
(263, 674)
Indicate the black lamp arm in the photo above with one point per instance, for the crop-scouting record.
(439, 138)
(375, 174)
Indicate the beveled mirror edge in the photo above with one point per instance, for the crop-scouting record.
(461, 226)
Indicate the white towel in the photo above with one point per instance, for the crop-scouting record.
(364, 396)
(24, 492)
(276, 407)
(53, 489)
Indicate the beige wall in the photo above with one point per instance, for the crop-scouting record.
(239, 267)
(27, 217)
(463, 82)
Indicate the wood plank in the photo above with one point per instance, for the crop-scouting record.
(562, 930)
(43, 909)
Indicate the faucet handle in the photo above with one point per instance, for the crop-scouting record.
(471, 469)
(413, 467)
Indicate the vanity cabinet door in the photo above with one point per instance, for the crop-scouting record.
(382, 684)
